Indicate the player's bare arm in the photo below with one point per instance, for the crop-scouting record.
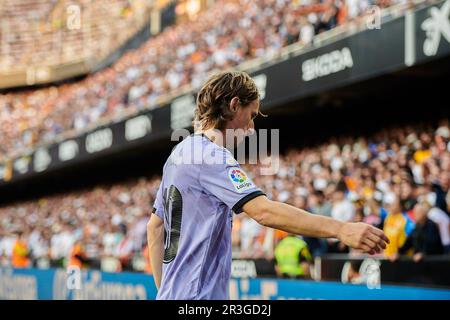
(285, 217)
(155, 239)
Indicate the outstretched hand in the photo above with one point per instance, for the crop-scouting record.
(362, 236)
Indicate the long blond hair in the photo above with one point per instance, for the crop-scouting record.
(213, 99)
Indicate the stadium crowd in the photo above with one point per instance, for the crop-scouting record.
(227, 34)
(397, 179)
(47, 33)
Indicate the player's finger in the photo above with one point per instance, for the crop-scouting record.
(372, 244)
(380, 234)
(379, 241)
(366, 249)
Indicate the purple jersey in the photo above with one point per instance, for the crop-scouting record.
(196, 201)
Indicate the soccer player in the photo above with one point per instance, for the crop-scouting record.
(189, 232)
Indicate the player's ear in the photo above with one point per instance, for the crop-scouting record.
(234, 103)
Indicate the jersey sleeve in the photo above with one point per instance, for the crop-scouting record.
(158, 206)
(229, 182)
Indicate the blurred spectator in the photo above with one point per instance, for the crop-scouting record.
(111, 240)
(374, 212)
(317, 204)
(407, 199)
(425, 238)
(40, 245)
(293, 258)
(61, 243)
(6, 247)
(249, 231)
(343, 209)
(78, 255)
(20, 252)
(124, 250)
(397, 227)
(441, 219)
(306, 31)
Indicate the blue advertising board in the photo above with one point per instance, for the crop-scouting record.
(59, 284)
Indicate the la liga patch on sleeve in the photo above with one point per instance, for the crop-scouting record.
(241, 182)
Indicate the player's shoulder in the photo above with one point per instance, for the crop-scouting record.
(199, 150)
(211, 152)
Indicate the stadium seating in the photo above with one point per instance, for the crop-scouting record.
(38, 33)
(227, 34)
(409, 164)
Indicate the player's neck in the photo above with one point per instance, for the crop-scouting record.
(214, 135)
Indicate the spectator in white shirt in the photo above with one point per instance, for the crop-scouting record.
(343, 209)
(249, 231)
(306, 31)
(439, 217)
(6, 247)
(61, 243)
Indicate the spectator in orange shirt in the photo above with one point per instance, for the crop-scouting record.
(342, 14)
(20, 252)
(78, 255)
